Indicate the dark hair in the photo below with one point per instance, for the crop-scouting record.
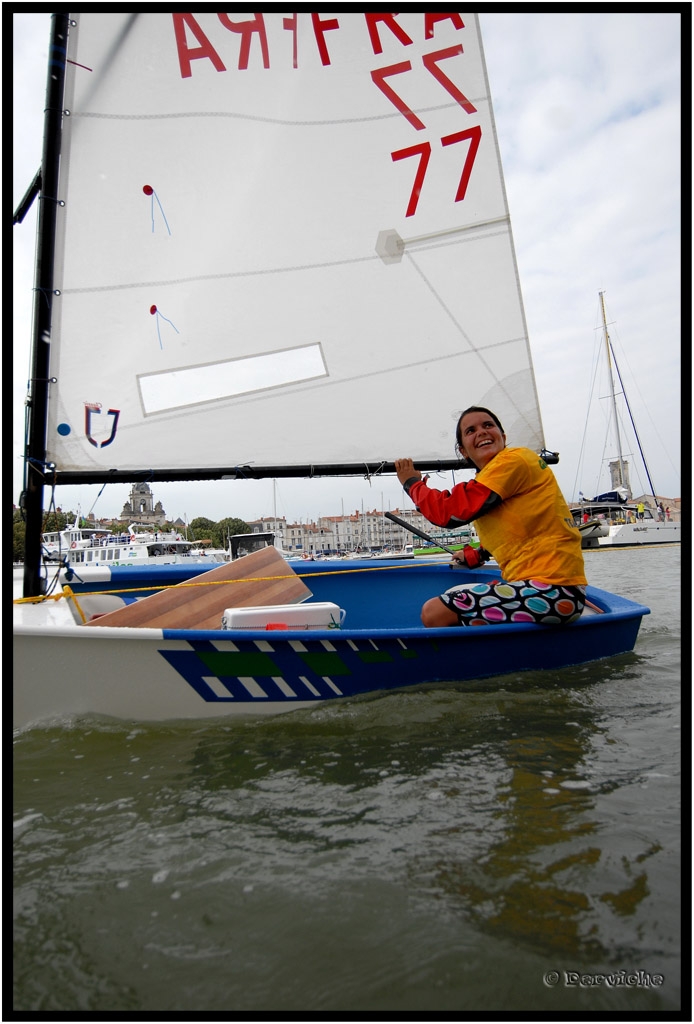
(465, 462)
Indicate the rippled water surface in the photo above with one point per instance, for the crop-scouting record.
(434, 850)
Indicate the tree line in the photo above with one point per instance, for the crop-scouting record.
(217, 533)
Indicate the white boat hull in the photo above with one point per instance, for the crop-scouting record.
(143, 689)
(621, 535)
(63, 670)
(594, 528)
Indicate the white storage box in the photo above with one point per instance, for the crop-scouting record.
(316, 615)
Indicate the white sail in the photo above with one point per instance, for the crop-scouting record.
(285, 241)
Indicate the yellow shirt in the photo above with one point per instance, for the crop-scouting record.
(531, 534)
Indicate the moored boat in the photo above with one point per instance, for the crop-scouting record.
(79, 547)
(88, 552)
(407, 551)
(615, 525)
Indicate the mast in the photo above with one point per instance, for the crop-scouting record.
(613, 396)
(274, 511)
(37, 401)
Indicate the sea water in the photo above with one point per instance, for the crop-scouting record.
(511, 845)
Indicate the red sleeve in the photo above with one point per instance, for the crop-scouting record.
(467, 501)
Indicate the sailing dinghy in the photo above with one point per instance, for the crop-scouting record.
(293, 229)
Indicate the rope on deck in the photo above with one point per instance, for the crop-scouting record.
(67, 592)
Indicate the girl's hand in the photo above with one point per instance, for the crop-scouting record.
(406, 471)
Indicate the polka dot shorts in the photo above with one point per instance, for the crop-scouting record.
(484, 604)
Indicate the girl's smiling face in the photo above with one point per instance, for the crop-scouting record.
(481, 439)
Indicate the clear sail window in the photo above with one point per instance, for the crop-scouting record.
(194, 385)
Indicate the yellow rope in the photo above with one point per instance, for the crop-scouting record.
(67, 592)
(70, 594)
(38, 599)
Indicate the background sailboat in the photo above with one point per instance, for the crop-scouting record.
(613, 518)
(291, 228)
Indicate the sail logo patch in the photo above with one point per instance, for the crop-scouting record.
(94, 408)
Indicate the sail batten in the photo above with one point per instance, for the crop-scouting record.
(294, 261)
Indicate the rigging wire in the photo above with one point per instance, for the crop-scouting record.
(103, 487)
(644, 404)
(636, 434)
(591, 392)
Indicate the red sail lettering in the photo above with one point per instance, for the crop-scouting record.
(424, 152)
(378, 76)
(431, 19)
(185, 53)
(320, 28)
(430, 63)
(246, 29)
(389, 21)
(290, 24)
(474, 136)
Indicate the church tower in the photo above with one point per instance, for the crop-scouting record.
(141, 508)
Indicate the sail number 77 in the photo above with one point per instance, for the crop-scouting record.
(423, 150)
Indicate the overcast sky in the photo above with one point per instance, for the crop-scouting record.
(588, 117)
